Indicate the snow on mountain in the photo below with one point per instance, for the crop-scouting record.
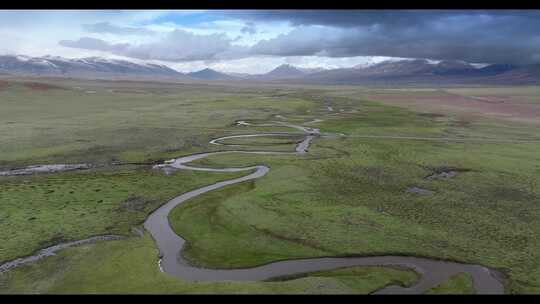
(90, 66)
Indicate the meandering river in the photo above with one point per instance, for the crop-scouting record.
(433, 272)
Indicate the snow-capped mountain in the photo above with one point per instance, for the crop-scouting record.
(394, 71)
(83, 67)
(424, 71)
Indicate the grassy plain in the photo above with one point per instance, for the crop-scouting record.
(41, 211)
(130, 266)
(123, 121)
(345, 197)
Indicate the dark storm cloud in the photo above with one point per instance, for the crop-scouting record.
(355, 18)
(508, 36)
(339, 18)
(475, 36)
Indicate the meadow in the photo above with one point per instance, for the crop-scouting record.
(346, 197)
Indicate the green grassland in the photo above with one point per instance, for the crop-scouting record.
(458, 284)
(41, 211)
(70, 125)
(345, 197)
(130, 266)
(265, 140)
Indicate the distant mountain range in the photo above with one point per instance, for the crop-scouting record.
(400, 72)
(93, 67)
(284, 71)
(424, 72)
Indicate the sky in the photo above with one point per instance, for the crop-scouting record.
(248, 41)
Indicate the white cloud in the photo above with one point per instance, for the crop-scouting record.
(333, 62)
(178, 45)
(109, 28)
(249, 28)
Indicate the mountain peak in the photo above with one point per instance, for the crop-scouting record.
(284, 71)
(285, 67)
(210, 74)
